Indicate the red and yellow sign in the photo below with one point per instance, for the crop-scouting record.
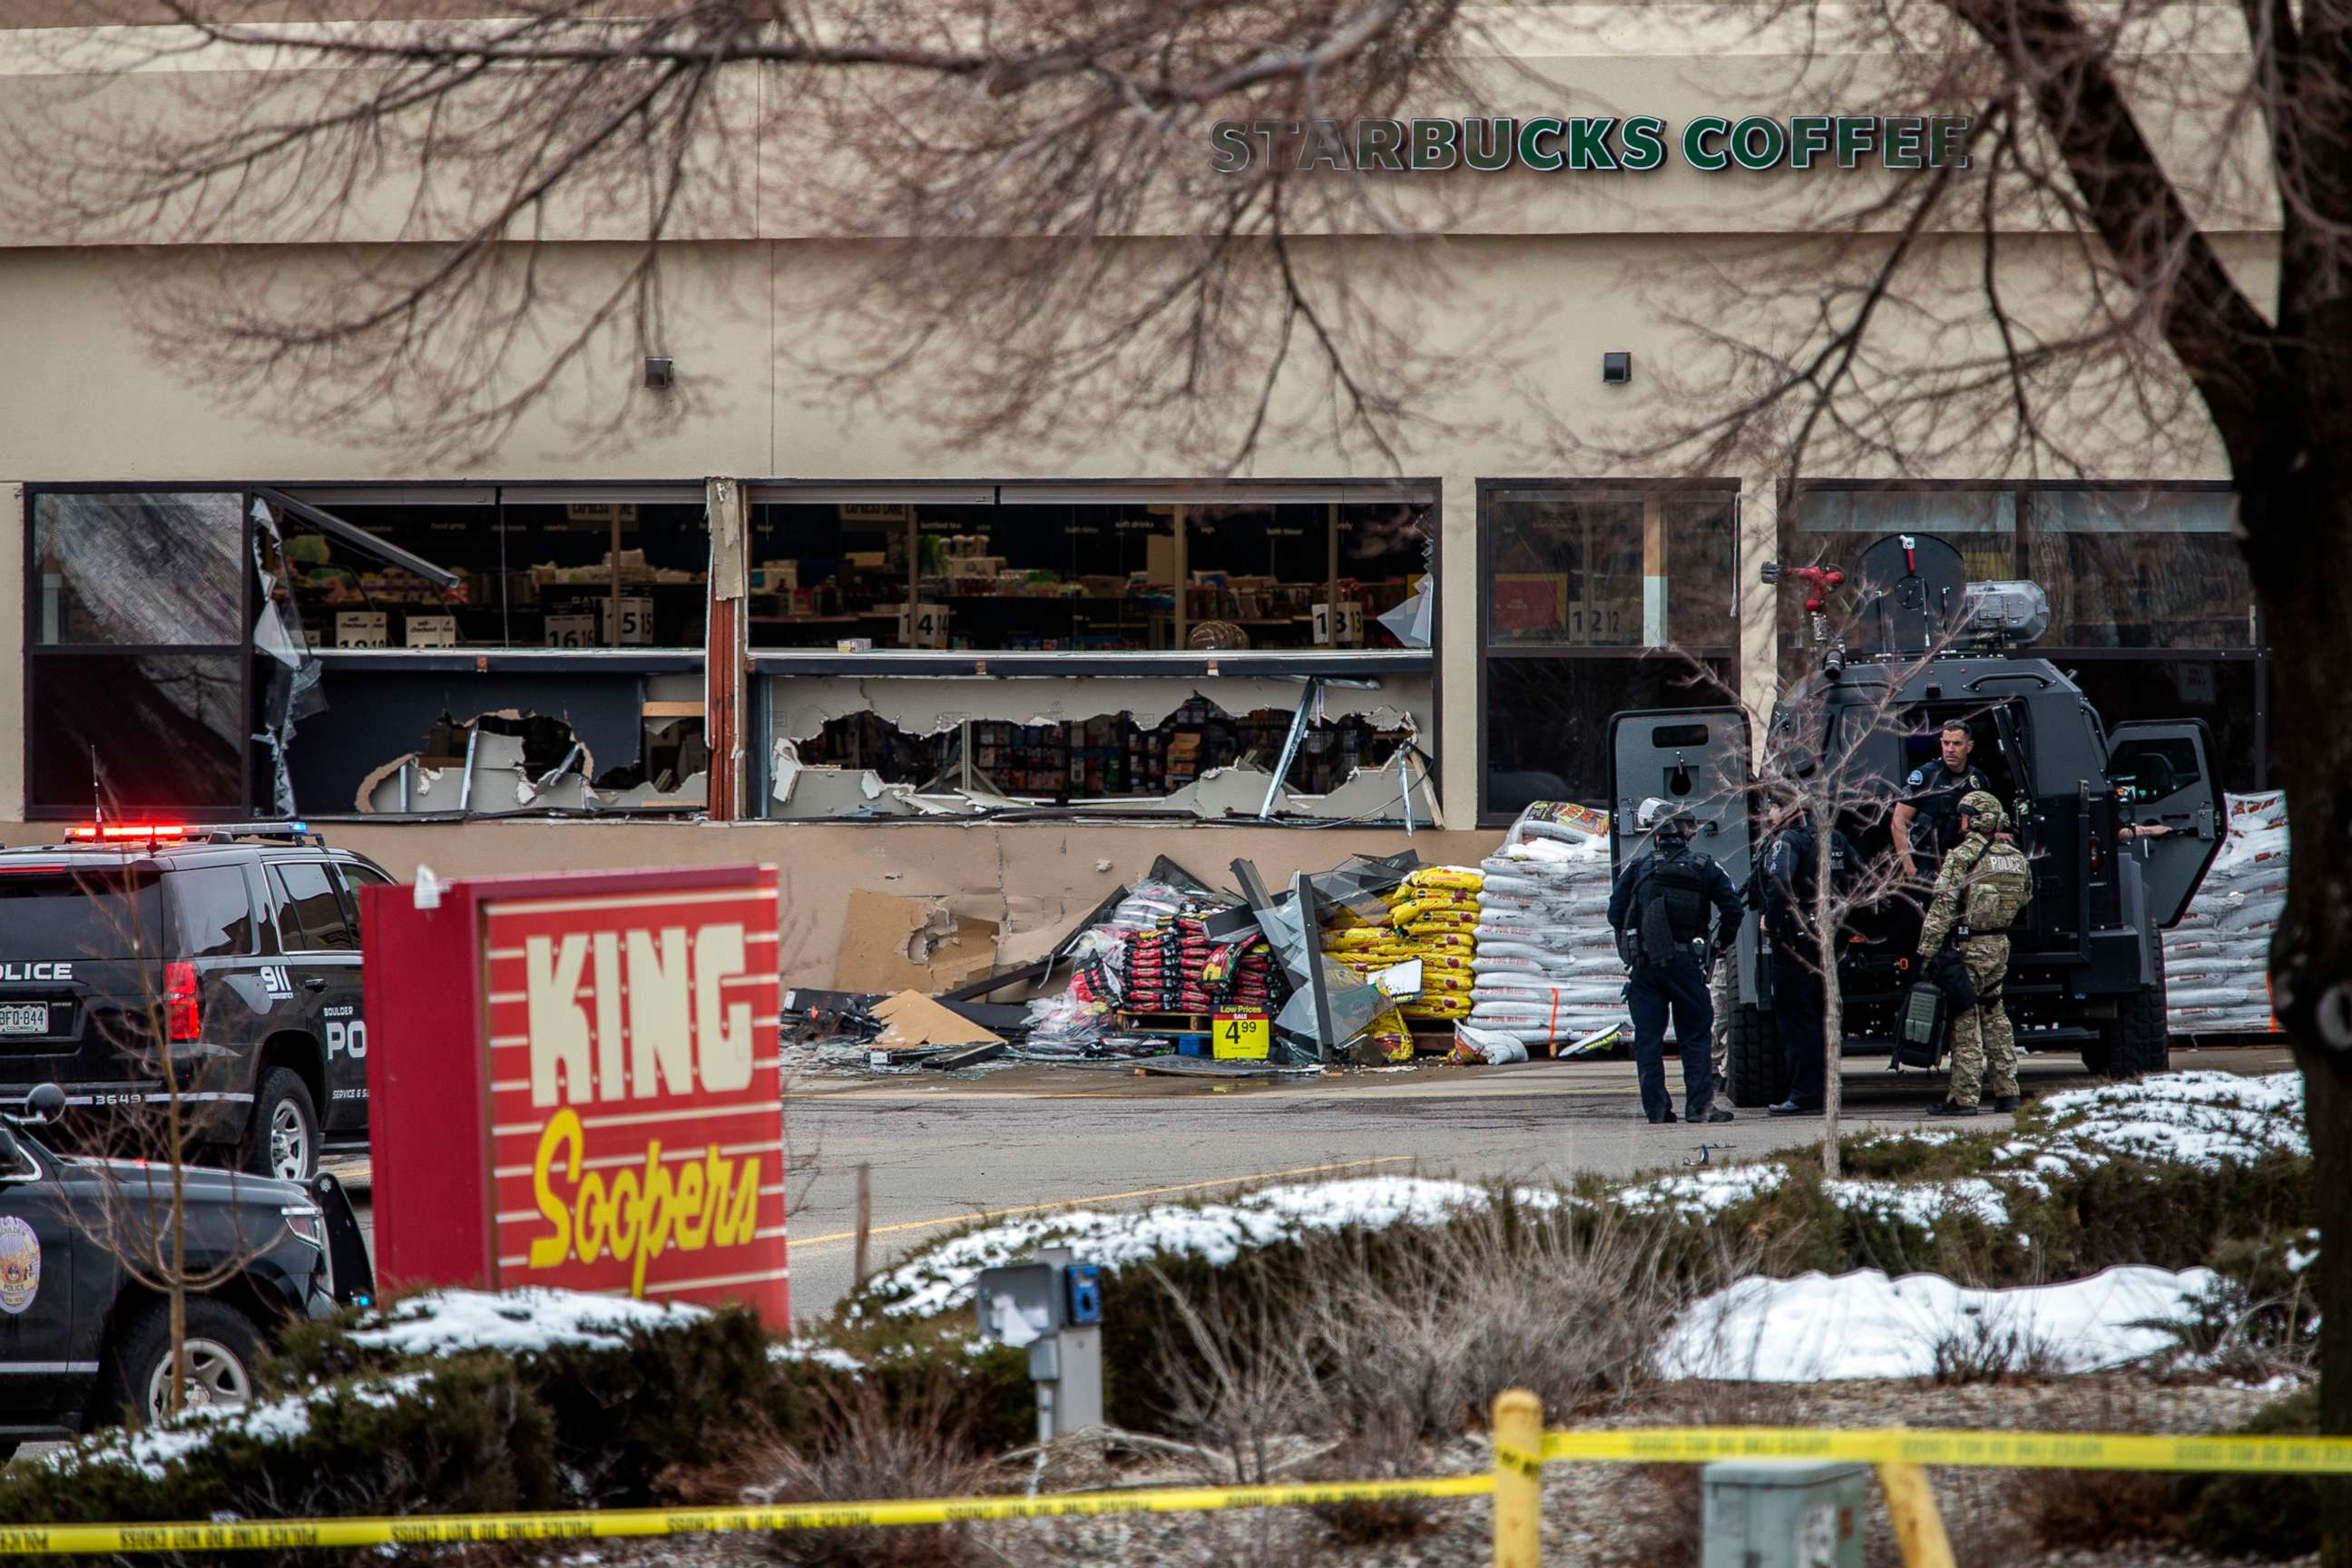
(631, 1108)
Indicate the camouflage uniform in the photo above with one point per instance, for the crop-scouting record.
(1723, 992)
(1989, 879)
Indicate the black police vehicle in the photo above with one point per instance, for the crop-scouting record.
(233, 952)
(2086, 962)
(83, 1342)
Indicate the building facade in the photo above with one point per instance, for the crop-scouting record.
(784, 628)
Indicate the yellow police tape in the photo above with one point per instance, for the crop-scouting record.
(1656, 1446)
(60, 1540)
(2005, 1450)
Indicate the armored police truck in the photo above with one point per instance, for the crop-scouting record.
(1925, 648)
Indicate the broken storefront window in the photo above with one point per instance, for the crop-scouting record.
(1197, 758)
(509, 763)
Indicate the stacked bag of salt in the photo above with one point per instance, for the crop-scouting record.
(2215, 959)
(1546, 969)
(1433, 916)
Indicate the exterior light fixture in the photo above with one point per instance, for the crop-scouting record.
(1616, 369)
(660, 371)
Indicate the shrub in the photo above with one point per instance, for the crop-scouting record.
(624, 1410)
(2271, 1516)
(863, 1446)
(466, 1436)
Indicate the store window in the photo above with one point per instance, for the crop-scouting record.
(531, 569)
(1598, 598)
(2151, 606)
(1013, 568)
(137, 680)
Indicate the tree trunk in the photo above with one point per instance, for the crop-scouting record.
(2300, 547)
(1825, 930)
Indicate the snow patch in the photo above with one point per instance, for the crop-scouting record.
(1816, 1329)
(1702, 1193)
(814, 1353)
(151, 1450)
(1923, 1206)
(519, 1321)
(941, 1279)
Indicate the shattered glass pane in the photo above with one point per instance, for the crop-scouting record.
(130, 569)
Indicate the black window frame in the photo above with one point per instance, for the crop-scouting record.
(39, 654)
(1583, 654)
(2256, 651)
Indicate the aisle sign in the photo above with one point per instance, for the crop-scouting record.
(923, 626)
(571, 631)
(637, 622)
(429, 631)
(363, 628)
(1239, 1036)
(1351, 624)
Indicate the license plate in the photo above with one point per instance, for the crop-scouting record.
(23, 1017)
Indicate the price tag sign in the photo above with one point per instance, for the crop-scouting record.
(362, 628)
(1240, 1036)
(430, 631)
(1351, 624)
(923, 626)
(571, 631)
(636, 621)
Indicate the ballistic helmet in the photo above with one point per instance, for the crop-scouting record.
(1985, 808)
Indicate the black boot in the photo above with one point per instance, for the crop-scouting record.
(1946, 1108)
(2007, 1102)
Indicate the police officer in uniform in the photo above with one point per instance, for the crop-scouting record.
(1659, 910)
(1786, 886)
(1984, 883)
(1935, 791)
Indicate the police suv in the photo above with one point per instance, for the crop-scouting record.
(231, 952)
(1929, 649)
(86, 1340)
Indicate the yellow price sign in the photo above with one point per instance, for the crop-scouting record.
(1240, 1036)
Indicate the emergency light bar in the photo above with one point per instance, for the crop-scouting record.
(182, 833)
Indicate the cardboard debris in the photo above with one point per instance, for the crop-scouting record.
(912, 1021)
(909, 944)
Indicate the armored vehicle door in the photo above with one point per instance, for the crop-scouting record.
(1698, 759)
(2162, 776)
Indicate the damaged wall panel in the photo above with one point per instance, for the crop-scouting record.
(1030, 882)
(885, 746)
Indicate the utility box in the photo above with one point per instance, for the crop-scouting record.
(1784, 1513)
(1052, 1306)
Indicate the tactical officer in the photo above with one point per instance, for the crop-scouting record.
(1786, 891)
(1984, 883)
(1659, 910)
(1935, 791)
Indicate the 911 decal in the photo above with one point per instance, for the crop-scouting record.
(280, 982)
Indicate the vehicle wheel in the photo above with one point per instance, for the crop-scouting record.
(1752, 1059)
(223, 1348)
(284, 1138)
(2138, 1039)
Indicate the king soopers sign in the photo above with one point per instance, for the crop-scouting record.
(1547, 143)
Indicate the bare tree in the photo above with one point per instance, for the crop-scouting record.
(140, 1215)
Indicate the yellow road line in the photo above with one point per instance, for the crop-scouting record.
(1099, 1198)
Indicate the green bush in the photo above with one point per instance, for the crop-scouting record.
(681, 1395)
(466, 1436)
(2268, 1516)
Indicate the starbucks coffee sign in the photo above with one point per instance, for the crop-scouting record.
(1547, 143)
